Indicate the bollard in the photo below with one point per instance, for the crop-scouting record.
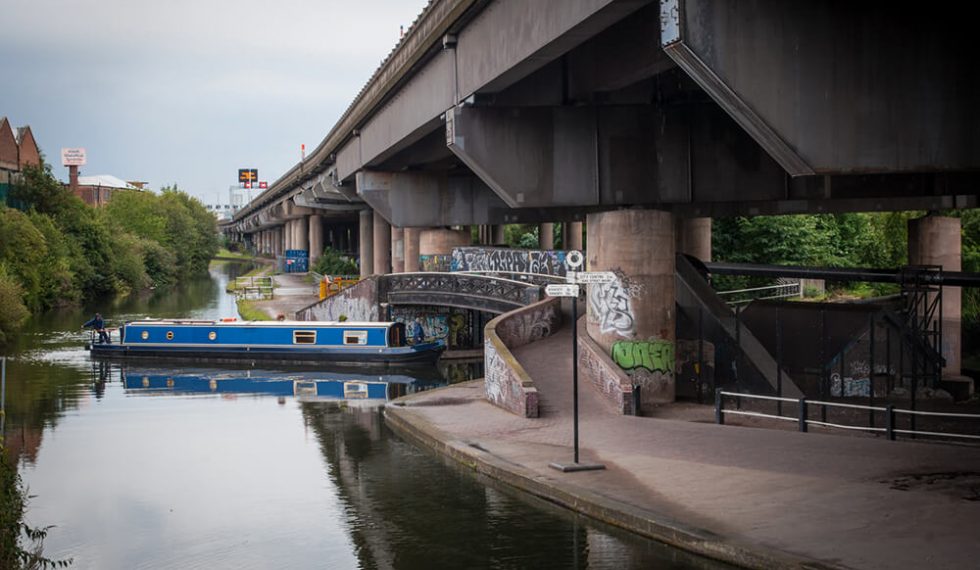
(803, 414)
(719, 412)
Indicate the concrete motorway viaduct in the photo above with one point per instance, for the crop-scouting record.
(643, 119)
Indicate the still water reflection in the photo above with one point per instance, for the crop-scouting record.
(158, 467)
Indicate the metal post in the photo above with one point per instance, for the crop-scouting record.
(738, 346)
(871, 375)
(719, 412)
(575, 370)
(802, 414)
(890, 421)
(779, 363)
(701, 352)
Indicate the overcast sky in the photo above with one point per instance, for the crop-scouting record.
(189, 91)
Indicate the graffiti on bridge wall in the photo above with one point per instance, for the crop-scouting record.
(611, 305)
(439, 262)
(546, 262)
(653, 355)
(439, 323)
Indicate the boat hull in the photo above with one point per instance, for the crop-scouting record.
(419, 354)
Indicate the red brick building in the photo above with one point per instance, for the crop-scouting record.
(17, 150)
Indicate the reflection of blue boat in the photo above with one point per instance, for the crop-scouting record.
(333, 389)
(283, 341)
(326, 385)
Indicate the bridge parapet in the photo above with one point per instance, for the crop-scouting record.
(484, 293)
(508, 385)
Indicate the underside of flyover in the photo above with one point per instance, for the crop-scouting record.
(635, 115)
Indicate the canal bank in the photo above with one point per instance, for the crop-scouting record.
(752, 497)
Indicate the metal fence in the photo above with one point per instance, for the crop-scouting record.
(254, 287)
(788, 289)
(804, 406)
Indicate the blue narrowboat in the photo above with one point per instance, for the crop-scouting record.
(344, 343)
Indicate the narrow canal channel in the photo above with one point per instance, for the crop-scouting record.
(191, 467)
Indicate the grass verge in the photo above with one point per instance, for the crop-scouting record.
(249, 312)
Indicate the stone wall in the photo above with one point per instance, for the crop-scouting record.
(357, 303)
(507, 383)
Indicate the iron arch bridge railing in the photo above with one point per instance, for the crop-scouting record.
(484, 293)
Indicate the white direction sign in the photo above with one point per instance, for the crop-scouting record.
(589, 277)
(562, 290)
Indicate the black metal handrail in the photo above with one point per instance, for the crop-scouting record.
(803, 420)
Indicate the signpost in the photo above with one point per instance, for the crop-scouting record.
(573, 261)
(73, 157)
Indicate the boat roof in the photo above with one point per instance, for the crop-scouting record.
(263, 324)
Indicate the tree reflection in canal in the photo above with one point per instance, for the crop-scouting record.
(406, 509)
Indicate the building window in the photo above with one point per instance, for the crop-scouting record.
(355, 337)
(304, 337)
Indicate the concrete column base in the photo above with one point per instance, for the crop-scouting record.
(382, 245)
(936, 240)
(366, 234)
(632, 319)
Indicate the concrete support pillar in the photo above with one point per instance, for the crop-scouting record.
(366, 227)
(382, 245)
(397, 250)
(572, 236)
(279, 240)
(936, 240)
(693, 237)
(412, 237)
(497, 232)
(633, 318)
(436, 247)
(316, 238)
(546, 236)
(303, 233)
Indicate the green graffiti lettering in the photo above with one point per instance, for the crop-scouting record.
(654, 355)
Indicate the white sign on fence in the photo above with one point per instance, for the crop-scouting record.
(589, 277)
(562, 290)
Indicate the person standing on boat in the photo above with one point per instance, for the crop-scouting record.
(418, 333)
(96, 323)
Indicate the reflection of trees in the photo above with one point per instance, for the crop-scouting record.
(38, 394)
(406, 510)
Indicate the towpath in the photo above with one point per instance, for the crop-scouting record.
(756, 497)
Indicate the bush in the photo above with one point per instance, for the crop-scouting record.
(331, 262)
(12, 310)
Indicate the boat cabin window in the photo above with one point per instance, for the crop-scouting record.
(355, 337)
(304, 337)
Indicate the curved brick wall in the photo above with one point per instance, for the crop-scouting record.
(507, 383)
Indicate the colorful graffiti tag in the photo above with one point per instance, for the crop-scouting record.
(439, 262)
(439, 323)
(653, 355)
(545, 262)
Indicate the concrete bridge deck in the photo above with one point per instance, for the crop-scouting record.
(758, 498)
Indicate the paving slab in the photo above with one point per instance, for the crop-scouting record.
(754, 497)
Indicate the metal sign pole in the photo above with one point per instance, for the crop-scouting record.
(574, 261)
(575, 370)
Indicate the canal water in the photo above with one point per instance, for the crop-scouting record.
(176, 466)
